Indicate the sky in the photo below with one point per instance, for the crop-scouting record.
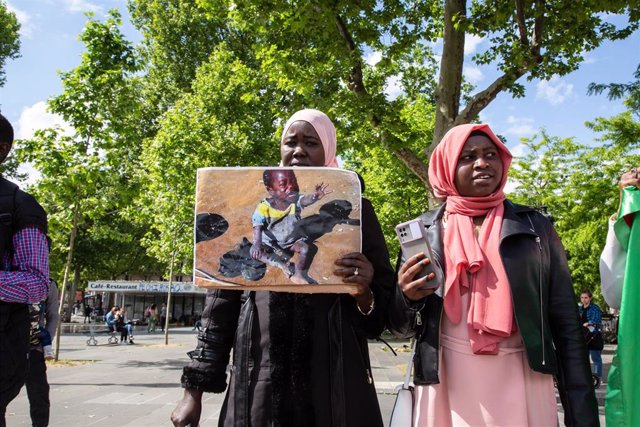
(561, 105)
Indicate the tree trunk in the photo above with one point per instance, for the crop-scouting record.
(72, 239)
(450, 80)
(71, 297)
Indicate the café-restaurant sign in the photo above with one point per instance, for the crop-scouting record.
(143, 287)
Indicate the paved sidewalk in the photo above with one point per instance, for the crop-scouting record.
(138, 385)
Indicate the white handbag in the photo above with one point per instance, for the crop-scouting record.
(402, 413)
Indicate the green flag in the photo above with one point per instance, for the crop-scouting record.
(622, 403)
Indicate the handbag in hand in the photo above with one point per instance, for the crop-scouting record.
(594, 339)
(402, 413)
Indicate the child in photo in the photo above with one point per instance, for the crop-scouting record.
(274, 219)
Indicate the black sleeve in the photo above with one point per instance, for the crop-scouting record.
(375, 249)
(208, 368)
(575, 387)
(28, 213)
(401, 316)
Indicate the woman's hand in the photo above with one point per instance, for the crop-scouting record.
(415, 289)
(189, 409)
(628, 179)
(356, 269)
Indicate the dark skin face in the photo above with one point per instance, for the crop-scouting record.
(5, 147)
(284, 188)
(301, 146)
(479, 169)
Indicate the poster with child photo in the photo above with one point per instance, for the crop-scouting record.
(273, 228)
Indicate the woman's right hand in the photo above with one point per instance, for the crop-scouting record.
(415, 289)
(189, 409)
(627, 179)
(630, 178)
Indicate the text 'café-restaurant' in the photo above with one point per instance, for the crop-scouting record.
(187, 300)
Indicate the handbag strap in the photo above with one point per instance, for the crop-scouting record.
(407, 377)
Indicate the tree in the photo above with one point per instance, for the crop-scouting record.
(318, 51)
(630, 91)
(222, 123)
(87, 178)
(9, 38)
(577, 184)
(318, 54)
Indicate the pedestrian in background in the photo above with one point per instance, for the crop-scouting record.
(87, 313)
(163, 316)
(591, 317)
(152, 318)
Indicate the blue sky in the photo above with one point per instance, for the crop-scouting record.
(49, 44)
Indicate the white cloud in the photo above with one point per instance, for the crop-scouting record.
(373, 58)
(556, 91)
(471, 43)
(393, 89)
(37, 117)
(81, 6)
(26, 25)
(473, 74)
(519, 126)
(519, 150)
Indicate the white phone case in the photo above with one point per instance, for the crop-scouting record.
(413, 240)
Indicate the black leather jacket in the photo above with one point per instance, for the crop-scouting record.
(544, 304)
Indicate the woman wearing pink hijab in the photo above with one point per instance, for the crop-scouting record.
(298, 359)
(503, 321)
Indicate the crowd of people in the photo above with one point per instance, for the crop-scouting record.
(492, 329)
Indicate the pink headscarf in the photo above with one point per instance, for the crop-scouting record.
(490, 316)
(324, 128)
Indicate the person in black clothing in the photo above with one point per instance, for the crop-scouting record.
(24, 275)
(298, 359)
(87, 313)
(43, 315)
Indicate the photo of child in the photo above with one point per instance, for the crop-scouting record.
(274, 220)
(277, 229)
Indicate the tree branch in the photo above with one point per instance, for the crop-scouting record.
(356, 85)
(356, 82)
(447, 94)
(522, 28)
(538, 29)
(480, 100)
(417, 166)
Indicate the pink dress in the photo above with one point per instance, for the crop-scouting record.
(484, 390)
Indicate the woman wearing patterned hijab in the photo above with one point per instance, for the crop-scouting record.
(298, 359)
(503, 322)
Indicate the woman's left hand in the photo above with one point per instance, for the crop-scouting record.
(355, 268)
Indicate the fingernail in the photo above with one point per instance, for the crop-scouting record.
(426, 261)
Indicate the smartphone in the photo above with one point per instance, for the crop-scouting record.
(413, 240)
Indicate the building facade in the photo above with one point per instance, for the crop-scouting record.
(187, 300)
